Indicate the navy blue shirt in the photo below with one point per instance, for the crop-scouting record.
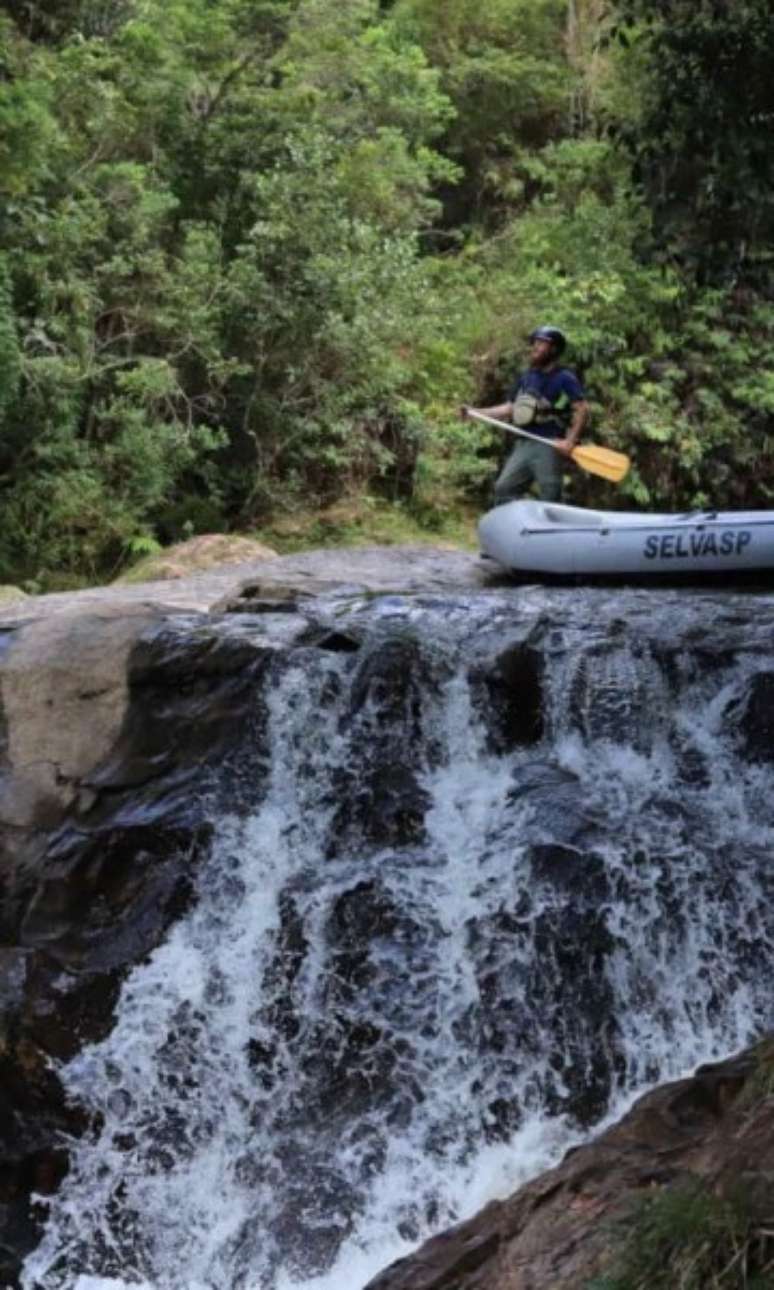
(560, 387)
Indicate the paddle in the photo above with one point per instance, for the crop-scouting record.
(589, 456)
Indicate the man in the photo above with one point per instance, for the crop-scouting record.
(557, 411)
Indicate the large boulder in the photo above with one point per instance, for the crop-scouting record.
(206, 551)
(64, 693)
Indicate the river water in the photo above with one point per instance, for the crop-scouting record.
(485, 868)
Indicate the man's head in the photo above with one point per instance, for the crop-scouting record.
(546, 344)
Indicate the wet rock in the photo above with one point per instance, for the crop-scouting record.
(564, 1229)
(359, 916)
(282, 1016)
(751, 715)
(107, 899)
(35, 1120)
(312, 1224)
(609, 688)
(382, 805)
(342, 1064)
(64, 693)
(353, 1068)
(167, 706)
(390, 685)
(348, 1065)
(338, 643)
(192, 686)
(691, 762)
(540, 966)
(101, 844)
(381, 801)
(314, 1211)
(558, 807)
(512, 683)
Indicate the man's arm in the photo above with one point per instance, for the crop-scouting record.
(580, 415)
(501, 411)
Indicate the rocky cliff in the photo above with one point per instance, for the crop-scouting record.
(132, 718)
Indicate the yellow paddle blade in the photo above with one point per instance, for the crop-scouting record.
(601, 461)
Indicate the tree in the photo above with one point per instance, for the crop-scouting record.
(9, 344)
(51, 21)
(703, 140)
(504, 67)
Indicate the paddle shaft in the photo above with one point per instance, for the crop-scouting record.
(503, 425)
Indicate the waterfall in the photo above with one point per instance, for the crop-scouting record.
(451, 923)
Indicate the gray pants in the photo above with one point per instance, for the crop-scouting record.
(530, 462)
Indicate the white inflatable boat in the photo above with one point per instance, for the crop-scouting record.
(551, 540)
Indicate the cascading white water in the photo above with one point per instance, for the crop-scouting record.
(351, 1042)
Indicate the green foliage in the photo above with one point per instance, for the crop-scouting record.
(254, 253)
(505, 70)
(55, 20)
(28, 130)
(688, 1238)
(703, 140)
(10, 363)
(213, 263)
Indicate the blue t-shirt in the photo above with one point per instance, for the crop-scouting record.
(560, 387)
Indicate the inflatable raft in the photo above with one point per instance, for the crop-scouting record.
(551, 540)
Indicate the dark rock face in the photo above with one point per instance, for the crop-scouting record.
(513, 695)
(35, 1118)
(612, 685)
(117, 869)
(109, 896)
(379, 793)
(107, 882)
(347, 1060)
(543, 990)
(751, 715)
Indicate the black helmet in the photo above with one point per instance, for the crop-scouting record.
(556, 337)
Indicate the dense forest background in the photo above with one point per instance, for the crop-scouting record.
(255, 253)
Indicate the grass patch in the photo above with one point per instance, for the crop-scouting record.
(687, 1238)
(759, 1085)
(368, 521)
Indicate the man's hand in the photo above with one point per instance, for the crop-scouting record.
(564, 446)
(464, 411)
